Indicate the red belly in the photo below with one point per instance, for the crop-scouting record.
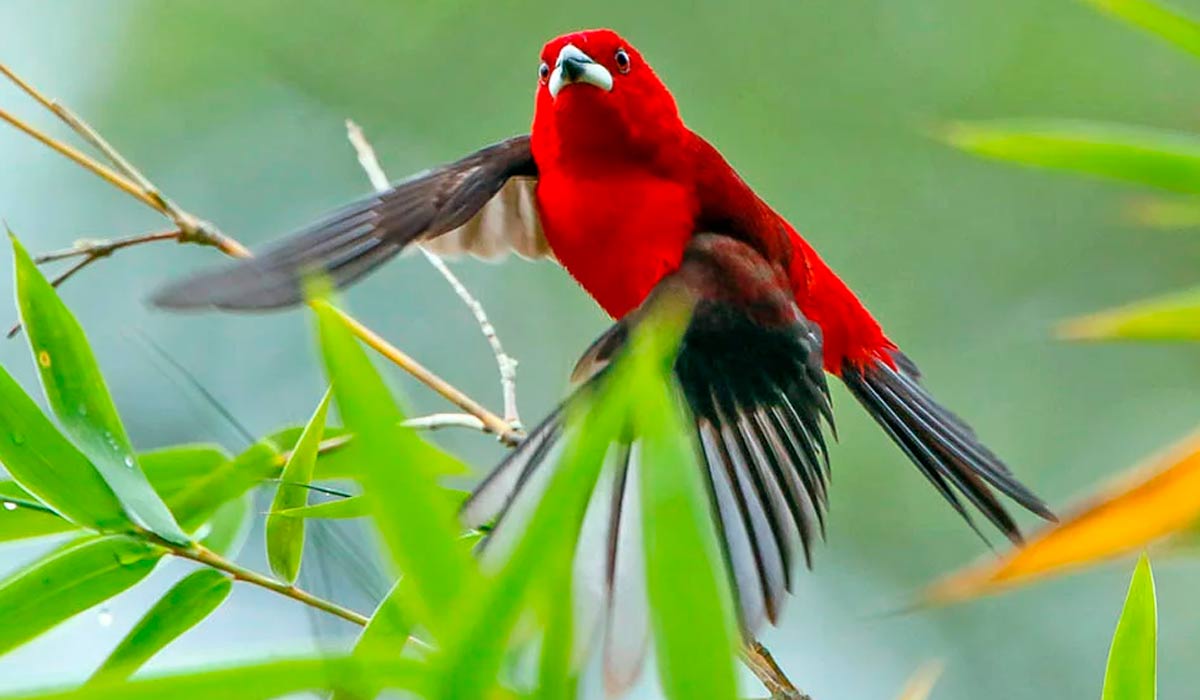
(617, 236)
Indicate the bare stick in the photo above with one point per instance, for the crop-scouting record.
(194, 230)
(504, 362)
(759, 660)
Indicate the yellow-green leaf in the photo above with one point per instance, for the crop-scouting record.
(255, 681)
(79, 397)
(417, 524)
(1156, 18)
(920, 685)
(49, 467)
(342, 508)
(1131, 670)
(285, 536)
(69, 581)
(181, 608)
(1173, 317)
(1146, 505)
(195, 504)
(1165, 159)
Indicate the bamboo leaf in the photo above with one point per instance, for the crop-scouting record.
(417, 524)
(172, 469)
(197, 503)
(920, 685)
(181, 608)
(229, 527)
(1174, 317)
(49, 467)
(285, 536)
(1146, 505)
(1165, 159)
(79, 397)
(1131, 673)
(255, 681)
(691, 607)
(69, 581)
(22, 516)
(1156, 18)
(342, 508)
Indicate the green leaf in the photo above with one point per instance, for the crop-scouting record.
(27, 517)
(255, 681)
(691, 608)
(172, 469)
(69, 581)
(77, 393)
(197, 503)
(285, 536)
(48, 466)
(1165, 159)
(335, 461)
(342, 508)
(1130, 674)
(416, 522)
(1174, 317)
(229, 527)
(472, 657)
(1167, 23)
(181, 608)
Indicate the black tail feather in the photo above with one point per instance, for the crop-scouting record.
(939, 443)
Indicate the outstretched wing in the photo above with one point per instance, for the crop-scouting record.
(749, 367)
(482, 204)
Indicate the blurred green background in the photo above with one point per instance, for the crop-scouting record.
(236, 109)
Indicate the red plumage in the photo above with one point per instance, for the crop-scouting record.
(624, 184)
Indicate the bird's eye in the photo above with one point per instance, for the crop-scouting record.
(622, 60)
(543, 71)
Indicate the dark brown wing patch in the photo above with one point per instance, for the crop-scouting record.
(483, 204)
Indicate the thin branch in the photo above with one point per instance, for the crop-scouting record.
(759, 660)
(436, 421)
(203, 555)
(504, 362)
(194, 230)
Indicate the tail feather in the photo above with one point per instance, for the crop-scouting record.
(940, 444)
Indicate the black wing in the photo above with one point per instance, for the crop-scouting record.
(482, 204)
(749, 367)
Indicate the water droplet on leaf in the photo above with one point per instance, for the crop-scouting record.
(9, 505)
(104, 617)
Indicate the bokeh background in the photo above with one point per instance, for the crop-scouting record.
(236, 109)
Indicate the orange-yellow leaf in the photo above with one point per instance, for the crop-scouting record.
(920, 685)
(1173, 317)
(1146, 505)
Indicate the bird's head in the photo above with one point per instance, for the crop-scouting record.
(596, 95)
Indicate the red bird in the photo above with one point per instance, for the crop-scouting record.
(616, 188)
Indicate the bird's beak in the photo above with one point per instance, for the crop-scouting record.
(575, 66)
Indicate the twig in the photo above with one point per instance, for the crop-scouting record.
(504, 362)
(201, 554)
(91, 251)
(191, 229)
(759, 660)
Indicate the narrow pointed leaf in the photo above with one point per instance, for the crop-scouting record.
(79, 397)
(172, 469)
(1165, 159)
(22, 516)
(227, 530)
(1156, 18)
(285, 536)
(69, 581)
(342, 508)
(1131, 670)
(1146, 505)
(1173, 317)
(197, 503)
(49, 467)
(181, 608)
(920, 685)
(690, 603)
(334, 462)
(256, 681)
(417, 524)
